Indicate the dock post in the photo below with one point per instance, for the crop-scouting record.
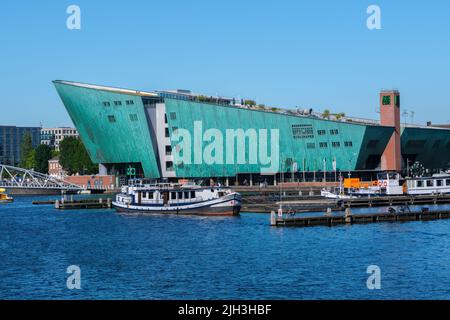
(328, 212)
(109, 203)
(57, 204)
(348, 216)
(273, 220)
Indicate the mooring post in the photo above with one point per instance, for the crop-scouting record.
(329, 213)
(273, 219)
(348, 216)
(57, 204)
(109, 202)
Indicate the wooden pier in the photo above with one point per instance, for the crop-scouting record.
(83, 204)
(333, 220)
(395, 200)
(67, 204)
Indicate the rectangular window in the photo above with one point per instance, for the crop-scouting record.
(133, 117)
(348, 144)
(447, 182)
(419, 184)
(310, 145)
(321, 132)
(186, 194)
(397, 101)
(323, 145)
(386, 100)
(111, 118)
(165, 118)
(173, 116)
(430, 183)
(106, 104)
(334, 132)
(168, 150)
(129, 102)
(439, 183)
(117, 103)
(336, 144)
(167, 133)
(192, 194)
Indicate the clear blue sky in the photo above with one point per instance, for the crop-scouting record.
(315, 54)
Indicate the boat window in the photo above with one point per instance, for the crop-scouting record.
(186, 194)
(221, 194)
(439, 183)
(192, 194)
(173, 195)
(448, 182)
(150, 195)
(419, 184)
(180, 195)
(430, 183)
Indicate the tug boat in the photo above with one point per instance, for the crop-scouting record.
(165, 198)
(4, 198)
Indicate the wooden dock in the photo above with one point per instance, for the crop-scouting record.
(70, 204)
(83, 204)
(395, 200)
(333, 220)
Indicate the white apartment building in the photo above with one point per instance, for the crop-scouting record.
(53, 136)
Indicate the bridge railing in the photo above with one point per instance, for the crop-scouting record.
(14, 177)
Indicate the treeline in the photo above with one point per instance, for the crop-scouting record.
(73, 156)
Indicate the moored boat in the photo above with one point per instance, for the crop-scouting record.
(166, 198)
(4, 198)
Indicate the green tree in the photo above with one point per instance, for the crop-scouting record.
(43, 153)
(26, 152)
(250, 103)
(74, 158)
(326, 114)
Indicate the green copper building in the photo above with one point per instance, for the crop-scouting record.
(134, 132)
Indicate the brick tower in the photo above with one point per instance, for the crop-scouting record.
(390, 116)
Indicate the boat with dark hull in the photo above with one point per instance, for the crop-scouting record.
(178, 199)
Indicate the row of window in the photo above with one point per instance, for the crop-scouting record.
(118, 103)
(112, 118)
(334, 144)
(430, 183)
(333, 132)
(179, 195)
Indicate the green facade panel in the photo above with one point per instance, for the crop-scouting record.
(113, 133)
(340, 141)
(429, 146)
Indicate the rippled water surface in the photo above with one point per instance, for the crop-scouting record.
(214, 258)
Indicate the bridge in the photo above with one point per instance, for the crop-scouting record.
(17, 180)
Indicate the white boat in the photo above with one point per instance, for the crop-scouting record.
(437, 184)
(387, 184)
(178, 199)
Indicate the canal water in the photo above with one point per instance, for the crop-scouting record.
(214, 258)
